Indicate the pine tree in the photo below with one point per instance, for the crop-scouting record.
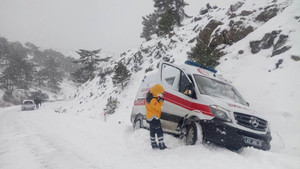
(179, 13)
(167, 15)
(4, 49)
(166, 23)
(121, 74)
(204, 55)
(40, 78)
(89, 61)
(150, 26)
(53, 75)
(18, 72)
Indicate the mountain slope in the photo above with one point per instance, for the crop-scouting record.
(270, 89)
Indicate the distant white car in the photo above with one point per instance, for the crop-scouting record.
(28, 105)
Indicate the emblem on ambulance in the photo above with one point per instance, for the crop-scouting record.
(254, 122)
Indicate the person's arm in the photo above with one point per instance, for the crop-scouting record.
(156, 104)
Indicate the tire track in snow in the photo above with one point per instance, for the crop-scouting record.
(24, 144)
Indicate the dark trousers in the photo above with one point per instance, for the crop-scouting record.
(155, 128)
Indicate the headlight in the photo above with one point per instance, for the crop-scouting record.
(220, 113)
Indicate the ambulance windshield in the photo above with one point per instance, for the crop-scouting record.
(219, 89)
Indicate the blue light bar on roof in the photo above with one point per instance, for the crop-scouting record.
(188, 62)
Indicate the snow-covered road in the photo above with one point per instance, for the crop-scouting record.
(46, 139)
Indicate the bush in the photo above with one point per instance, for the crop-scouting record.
(111, 105)
(39, 95)
(10, 98)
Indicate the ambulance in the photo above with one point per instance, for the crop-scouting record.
(200, 106)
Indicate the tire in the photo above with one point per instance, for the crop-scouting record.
(193, 133)
(138, 123)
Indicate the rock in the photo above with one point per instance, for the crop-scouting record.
(265, 43)
(203, 11)
(236, 32)
(197, 19)
(278, 63)
(208, 6)
(280, 51)
(255, 47)
(232, 15)
(246, 13)
(172, 41)
(231, 22)
(268, 39)
(295, 58)
(205, 34)
(194, 29)
(281, 41)
(241, 52)
(192, 40)
(267, 14)
(149, 69)
(167, 59)
(171, 34)
(236, 6)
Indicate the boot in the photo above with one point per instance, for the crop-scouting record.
(162, 146)
(154, 145)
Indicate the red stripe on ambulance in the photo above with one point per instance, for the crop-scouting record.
(191, 106)
(140, 102)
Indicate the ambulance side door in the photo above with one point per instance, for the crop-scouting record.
(177, 104)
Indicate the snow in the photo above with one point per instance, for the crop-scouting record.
(46, 139)
(74, 134)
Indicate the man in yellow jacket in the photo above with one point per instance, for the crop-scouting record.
(153, 114)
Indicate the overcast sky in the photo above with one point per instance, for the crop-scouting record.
(112, 25)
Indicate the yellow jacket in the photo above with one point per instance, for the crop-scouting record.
(153, 109)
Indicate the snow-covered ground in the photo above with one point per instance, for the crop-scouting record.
(47, 139)
(73, 134)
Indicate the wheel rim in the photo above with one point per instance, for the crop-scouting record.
(137, 125)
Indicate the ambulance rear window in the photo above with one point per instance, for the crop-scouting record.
(170, 80)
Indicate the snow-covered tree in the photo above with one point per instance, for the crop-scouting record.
(53, 75)
(150, 26)
(18, 71)
(166, 23)
(89, 61)
(121, 74)
(167, 14)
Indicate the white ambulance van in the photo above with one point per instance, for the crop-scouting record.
(201, 106)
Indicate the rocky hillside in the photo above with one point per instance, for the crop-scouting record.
(251, 33)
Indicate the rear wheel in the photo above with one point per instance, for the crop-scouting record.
(193, 133)
(137, 123)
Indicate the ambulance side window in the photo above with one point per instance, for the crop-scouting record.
(170, 76)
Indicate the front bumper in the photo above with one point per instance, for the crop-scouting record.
(218, 132)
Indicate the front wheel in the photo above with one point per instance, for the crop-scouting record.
(193, 133)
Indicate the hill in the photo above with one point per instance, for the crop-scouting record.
(258, 49)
